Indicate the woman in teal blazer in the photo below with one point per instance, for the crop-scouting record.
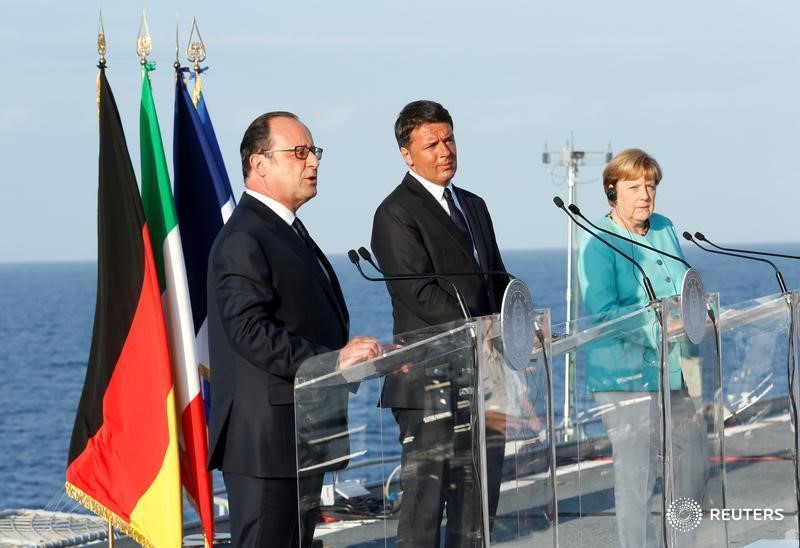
(623, 373)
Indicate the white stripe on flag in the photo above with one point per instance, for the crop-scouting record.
(227, 209)
(179, 321)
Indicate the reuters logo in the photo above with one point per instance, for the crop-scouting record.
(684, 514)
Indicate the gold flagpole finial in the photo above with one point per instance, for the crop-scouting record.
(101, 42)
(196, 49)
(143, 43)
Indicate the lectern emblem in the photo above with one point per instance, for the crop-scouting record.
(516, 328)
(693, 306)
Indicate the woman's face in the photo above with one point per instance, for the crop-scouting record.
(636, 199)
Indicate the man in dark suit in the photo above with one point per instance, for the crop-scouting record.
(273, 302)
(427, 225)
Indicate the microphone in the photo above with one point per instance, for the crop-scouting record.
(353, 256)
(365, 254)
(778, 274)
(702, 238)
(648, 286)
(576, 210)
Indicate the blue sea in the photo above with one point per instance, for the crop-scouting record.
(46, 324)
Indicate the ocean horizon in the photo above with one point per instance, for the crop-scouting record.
(46, 327)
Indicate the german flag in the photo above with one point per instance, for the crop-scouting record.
(123, 457)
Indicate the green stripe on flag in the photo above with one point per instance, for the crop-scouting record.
(159, 207)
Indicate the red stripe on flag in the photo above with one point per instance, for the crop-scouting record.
(194, 475)
(123, 458)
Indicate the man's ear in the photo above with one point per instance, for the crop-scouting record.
(406, 154)
(259, 164)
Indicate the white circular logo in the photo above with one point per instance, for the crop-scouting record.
(684, 514)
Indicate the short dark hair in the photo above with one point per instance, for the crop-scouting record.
(416, 113)
(257, 138)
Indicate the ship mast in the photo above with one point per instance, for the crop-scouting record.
(572, 160)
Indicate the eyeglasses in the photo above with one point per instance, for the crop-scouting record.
(300, 151)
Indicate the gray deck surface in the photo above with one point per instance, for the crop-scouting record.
(758, 472)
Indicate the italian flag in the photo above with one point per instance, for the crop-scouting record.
(159, 209)
(123, 456)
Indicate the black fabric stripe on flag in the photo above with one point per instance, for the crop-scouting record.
(120, 267)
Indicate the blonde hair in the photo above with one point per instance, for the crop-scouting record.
(630, 164)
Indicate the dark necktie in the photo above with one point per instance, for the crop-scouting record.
(300, 230)
(457, 216)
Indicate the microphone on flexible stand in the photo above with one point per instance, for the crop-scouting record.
(651, 294)
(778, 274)
(648, 286)
(791, 373)
(576, 210)
(365, 254)
(702, 238)
(353, 256)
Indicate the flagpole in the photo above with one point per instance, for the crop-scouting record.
(101, 63)
(195, 52)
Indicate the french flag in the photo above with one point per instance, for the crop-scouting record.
(204, 201)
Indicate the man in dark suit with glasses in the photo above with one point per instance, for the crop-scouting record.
(273, 302)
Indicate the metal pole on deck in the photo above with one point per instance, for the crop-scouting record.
(571, 159)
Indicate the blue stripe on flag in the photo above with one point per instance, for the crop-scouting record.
(201, 189)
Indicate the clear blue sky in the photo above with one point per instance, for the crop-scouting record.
(710, 88)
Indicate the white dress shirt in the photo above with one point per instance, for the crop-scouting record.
(437, 191)
(284, 213)
(280, 210)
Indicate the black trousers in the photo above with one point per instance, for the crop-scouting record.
(439, 474)
(264, 511)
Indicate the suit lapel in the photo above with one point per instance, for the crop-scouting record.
(287, 234)
(329, 283)
(483, 243)
(474, 218)
(435, 210)
(333, 289)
